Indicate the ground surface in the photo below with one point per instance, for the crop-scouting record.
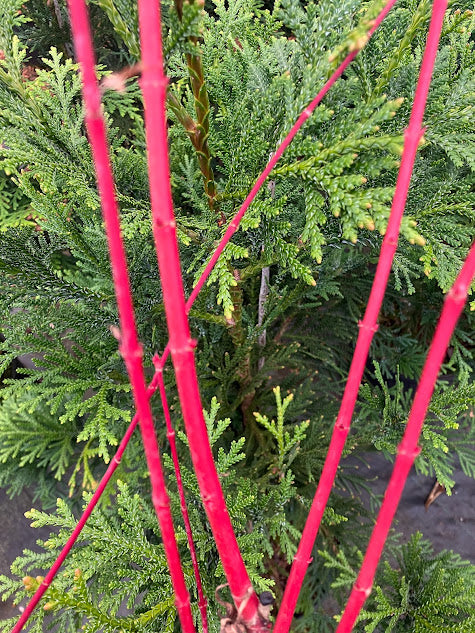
(449, 523)
(15, 536)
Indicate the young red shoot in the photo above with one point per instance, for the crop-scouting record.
(130, 347)
(367, 327)
(408, 448)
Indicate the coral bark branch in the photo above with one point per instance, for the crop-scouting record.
(154, 85)
(408, 448)
(130, 347)
(367, 328)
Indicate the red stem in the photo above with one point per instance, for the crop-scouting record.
(184, 510)
(367, 329)
(130, 347)
(408, 448)
(232, 228)
(154, 85)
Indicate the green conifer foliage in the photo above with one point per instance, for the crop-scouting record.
(420, 591)
(276, 322)
(121, 558)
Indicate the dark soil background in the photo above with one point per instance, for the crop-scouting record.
(449, 522)
(15, 536)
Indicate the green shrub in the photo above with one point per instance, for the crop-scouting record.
(239, 76)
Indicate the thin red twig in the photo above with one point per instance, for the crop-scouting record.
(80, 524)
(181, 492)
(130, 348)
(367, 329)
(408, 448)
(232, 228)
(234, 224)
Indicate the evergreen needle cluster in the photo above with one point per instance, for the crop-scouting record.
(277, 321)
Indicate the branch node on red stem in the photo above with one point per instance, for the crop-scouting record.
(458, 292)
(158, 362)
(371, 328)
(303, 560)
(391, 241)
(185, 349)
(165, 224)
(131, 354)
(364, 590)
(145, 82)
(408, 452)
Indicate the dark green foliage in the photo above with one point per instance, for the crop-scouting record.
(35, 446)
(419, 592)
(448, 433)
(14, 205)
(315, 230)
